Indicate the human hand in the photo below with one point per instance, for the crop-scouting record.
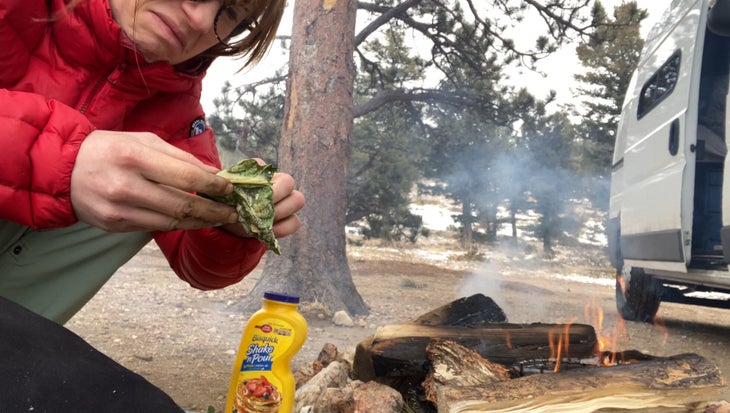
(287, 202)
(134, 181)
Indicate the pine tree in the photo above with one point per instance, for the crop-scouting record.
(609, 59)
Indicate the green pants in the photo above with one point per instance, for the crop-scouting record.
(55, 272)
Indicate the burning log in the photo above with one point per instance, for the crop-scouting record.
(396, 355)
(476, 310)
(652, 382)
(400, 350)
(465, 357)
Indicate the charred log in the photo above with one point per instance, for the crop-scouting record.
(398, 352)
(473, 311)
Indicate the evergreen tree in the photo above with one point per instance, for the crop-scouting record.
(551, 183)
(388, 143)
(247, 121)
(609, 59)
(463, 152)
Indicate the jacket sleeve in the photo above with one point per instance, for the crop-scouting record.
(40, 137)
(210, 258)
(40, 141)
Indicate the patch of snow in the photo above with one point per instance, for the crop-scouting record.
(435, 217)
(606, 282)
(593, 233)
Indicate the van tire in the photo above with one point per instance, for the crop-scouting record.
(638, 294)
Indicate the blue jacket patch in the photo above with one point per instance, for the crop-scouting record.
(197, 127)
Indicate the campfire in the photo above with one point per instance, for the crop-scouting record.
(466, 357)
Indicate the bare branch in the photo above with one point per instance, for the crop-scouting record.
(386, 14)
(385, 97)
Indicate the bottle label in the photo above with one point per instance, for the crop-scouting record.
(258, 390)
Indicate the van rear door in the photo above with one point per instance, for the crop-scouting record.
(659, 159)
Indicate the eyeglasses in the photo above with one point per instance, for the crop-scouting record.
(229, 15)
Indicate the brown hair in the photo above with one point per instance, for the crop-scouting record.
(260, 26)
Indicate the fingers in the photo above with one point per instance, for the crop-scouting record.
(160, 195)
(287, 226)
(183, 173)
(287, 202)
(182, 208)
(151, 207)
(283, 185)
(288, 206)
(135, 181)
(137, 219)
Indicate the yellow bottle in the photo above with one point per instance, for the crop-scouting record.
(262, 380)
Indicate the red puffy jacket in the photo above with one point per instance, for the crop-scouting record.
(61, 79)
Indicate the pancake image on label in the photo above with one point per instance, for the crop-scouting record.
(257, 395)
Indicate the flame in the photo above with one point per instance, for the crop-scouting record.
(607, 343)
(555, 349)
(616, 338)
(562, 346)
(508, 340)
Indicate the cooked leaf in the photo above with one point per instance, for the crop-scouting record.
(253, 198)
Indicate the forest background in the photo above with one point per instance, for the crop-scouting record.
(431, 96)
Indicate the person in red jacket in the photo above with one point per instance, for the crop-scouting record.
(104, 144)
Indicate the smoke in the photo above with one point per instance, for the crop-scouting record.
(520, 302)
(543, 185)
(481, 282)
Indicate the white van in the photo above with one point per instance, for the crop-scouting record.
(669, 214)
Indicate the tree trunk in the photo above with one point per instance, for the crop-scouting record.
(513, 219)
(547, 245)
(467, 234)
(314, 148)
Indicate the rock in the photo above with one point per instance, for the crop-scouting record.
(356, 397)
(327, 355)
(336, 401)
(330, 389)
(336, 375)
(342, 319)
(376, 397)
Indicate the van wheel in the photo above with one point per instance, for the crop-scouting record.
(638, 295)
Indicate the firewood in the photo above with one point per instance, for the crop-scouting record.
(457, 366)
(400, 350)
(653, 383)
(476, 310)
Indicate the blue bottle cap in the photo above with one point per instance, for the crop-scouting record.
(284, 298)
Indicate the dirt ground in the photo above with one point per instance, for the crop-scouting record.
(184, 340)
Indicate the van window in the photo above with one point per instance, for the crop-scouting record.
(659, 85)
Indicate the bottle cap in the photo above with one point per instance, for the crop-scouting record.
(284, 298)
